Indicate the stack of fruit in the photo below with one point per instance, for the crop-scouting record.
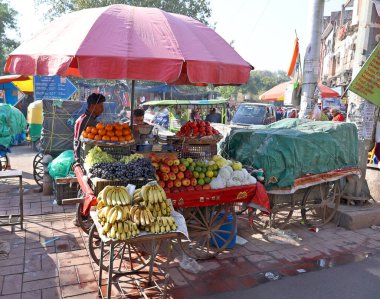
(122, 216)
(178, 175)
(109, 132)
(197, 128)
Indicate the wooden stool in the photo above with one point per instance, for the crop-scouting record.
(7, 220)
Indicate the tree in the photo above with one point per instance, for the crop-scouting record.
(7, 22)
(197, 9)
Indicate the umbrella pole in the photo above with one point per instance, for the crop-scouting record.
(132, 102)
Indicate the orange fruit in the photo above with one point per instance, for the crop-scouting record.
(118, 126)
(110, 133)
(84, 134)
(119, 133)
(126, 132)
(125, 126)
(106, 137)
(88, 129)
(98, 137)
(102, 132)
(94, 131)
(121, 138)
(99, 126)
(91, 136)
(109, 127)
(114, 138)
(128, 137)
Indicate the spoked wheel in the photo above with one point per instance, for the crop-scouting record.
(38, 169)
(128, 257)
(4, 163)
(210, 230)
(84, 222)
(282, 210)
(258, 220)
(321, 203)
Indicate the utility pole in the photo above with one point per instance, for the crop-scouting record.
(361, 112)
(312, 66)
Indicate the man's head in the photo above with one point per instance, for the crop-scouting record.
(138, 116)
(334, 111)
(212, 110)
(95, 104)
(326, 110)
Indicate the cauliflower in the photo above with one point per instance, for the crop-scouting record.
(251, 180)
(218, 183)
(238, 175)
(225, 172)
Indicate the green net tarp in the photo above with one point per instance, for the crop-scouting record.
(12, 124)
(292, 148)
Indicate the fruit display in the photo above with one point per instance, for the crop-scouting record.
(97, 155)
(109, 132)
(185, 174)
(127, 159)
(122, 216)
(197, 128)
(136, 168)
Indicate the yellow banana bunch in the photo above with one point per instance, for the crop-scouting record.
(153, 193)
(141, 215)
(115, 195)
(162, 225)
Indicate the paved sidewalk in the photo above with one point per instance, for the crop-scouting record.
(49, 259)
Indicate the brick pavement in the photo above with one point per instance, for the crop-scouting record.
(39, 268)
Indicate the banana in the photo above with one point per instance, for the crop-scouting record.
(164, 221)
(163, 194)
(120, 214)
(117, 197)
(126, 195)
(159, 213)
(123, 236)
(100, 204)
(113, 197)
(105, 193)
(154, 213)
(136, 216)
(112, 232)
(142, 217)
(117, 235)
(126, 212)
(157, 227)
(167, 228)
(125, 227)
(129, 235)
(106, 227)
(120, 227)
(106, 212)
(162, 229)
(174, 226)
(157, 207)
(132, 211)
(113, 216)
(144, 192)
(109, 213)
(108, 197)
(147, 218)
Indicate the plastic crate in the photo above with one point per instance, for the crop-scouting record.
(65, 188)
(116, 151)
(196, 151)
(98, 184)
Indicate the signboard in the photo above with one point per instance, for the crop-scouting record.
(10, 94)
(53, 87)
(331, 103)
(367, 82)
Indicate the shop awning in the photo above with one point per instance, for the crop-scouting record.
(12, 78)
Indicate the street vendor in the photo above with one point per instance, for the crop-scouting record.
(94, 109)
(138, 121)
(337, 116)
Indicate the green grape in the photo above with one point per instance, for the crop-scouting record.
(127, 159)
(96, 155)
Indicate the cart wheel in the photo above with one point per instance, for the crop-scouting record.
(205, 231)
(84, 222)
(128, 257)
(282, 210)
(38, 169)
(320, 204)
(258, 220)
(4, 163)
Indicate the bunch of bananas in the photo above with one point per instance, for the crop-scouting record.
(115, 195)
(137, 198)
(153, 193)
(113, 214)
(141, 215)
(119, 230)
(162, 225)
(160, 209)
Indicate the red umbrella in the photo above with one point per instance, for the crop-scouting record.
(277, 93)
(126, 42)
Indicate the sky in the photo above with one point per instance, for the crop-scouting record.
(263, 31)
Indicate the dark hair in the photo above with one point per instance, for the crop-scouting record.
(138, 112)
(95, 98)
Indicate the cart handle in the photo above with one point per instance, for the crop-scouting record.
(89, 196)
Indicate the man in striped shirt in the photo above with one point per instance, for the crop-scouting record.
(94, 109)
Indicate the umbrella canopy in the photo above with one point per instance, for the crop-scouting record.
(277, 93)
(126, 42)
(12, 78)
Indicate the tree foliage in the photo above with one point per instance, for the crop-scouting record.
(259, 82)
(197, 9)
(7, 22)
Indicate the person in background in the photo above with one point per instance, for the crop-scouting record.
(213, 116)
(194, 115)
(94, 109)
(138, 120)
(325, 114)
(337, 116)
(279, 113)
(293, 113)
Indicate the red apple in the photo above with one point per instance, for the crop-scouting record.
(168, 161)
(175, 190)
(193, 181)
(182, 167)
(180, 175)
(164, 177)
(162, 184)
(188, 174)
(169, 184)
(185, 182)
(155, 165)
(172, 176)
(206, 187)
(177, 183)
(176, 162)
(165, 168)
(198, 188)
(190, 188)
(174, 168)
(167, 190)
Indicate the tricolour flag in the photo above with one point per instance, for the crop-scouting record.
(295, 65)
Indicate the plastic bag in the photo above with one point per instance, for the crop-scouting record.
(60, 166)
(316, 115)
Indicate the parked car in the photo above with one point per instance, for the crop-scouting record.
(254, 114)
